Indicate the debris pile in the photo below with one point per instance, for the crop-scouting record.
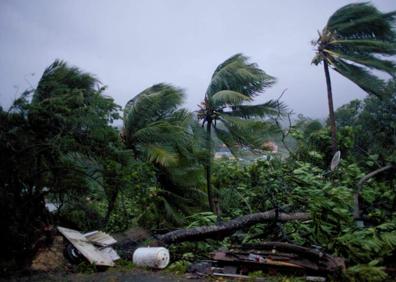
(270, 257)
(95, 246)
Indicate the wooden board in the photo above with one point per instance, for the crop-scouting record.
(93, 254)
(100, 238)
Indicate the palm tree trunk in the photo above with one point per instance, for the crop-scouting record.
(331, 108)
(220, 231)
(110, 206)
(209, 166)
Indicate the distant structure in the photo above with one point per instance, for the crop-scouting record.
(270, 146)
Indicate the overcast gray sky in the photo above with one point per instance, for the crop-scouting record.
(130, 45)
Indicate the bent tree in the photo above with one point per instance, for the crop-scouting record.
(226, 110)
(54, 142)
(158, 131)
(356, 40)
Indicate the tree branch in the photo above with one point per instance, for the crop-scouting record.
(356, 210)
(228, 228)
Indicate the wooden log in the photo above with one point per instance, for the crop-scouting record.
(223, 230)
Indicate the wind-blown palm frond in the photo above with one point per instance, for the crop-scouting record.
(247, 132)
(362, 20)
(59, 79)
(367, 81)
(367, 46)
(153, 104)
(158, 132)
(153, 126)
(160, 154)
(225, 98)
(366, 60)
(272, 107)
(238, 75)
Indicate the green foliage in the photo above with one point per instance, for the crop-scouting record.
(373, 126)
(178, 267)
(153, 126)
(123, 265)
(306, 125)
(165, 136)
(316, 148)
(366, 272)
(201, 219)
(53, 147)
(86, 267)
(231, 181)
(300, 185)
(367, 244)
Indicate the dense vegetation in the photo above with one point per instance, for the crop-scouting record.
(59, 146)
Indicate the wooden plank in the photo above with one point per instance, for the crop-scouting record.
(86, 248)
(100, 238)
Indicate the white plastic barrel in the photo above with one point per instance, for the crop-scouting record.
(151, 257)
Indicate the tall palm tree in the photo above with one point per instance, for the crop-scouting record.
(354, 41)
(226, 110)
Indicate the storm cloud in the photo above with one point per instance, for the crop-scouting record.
(130, 45)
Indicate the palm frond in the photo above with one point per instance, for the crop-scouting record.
(159, 132)
(152, 119)
(362, 21)
(368, 82)
(365, 46)
(247, 132)
(228, 139)
(162, 155)
(238, 75)
(368, 61)
(87, 167)
(225, 98)
(180, 117)
(59, 78)
(272, 107)
(153, 104)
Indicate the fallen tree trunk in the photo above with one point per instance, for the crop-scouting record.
(223, 230)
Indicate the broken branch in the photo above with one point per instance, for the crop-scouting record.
(223, 230)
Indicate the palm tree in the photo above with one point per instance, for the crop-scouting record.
(226, 109)
(159, 132)
(354, 41)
